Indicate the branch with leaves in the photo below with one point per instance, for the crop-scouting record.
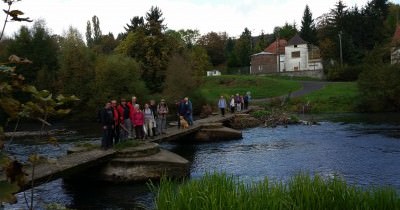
(14, 14)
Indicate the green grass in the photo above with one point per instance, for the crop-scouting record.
(259, 86)
(333, 98)
(126, 144)
(219, 191)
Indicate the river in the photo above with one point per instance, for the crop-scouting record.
(362, 149)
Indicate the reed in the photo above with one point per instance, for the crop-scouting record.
(221, 191)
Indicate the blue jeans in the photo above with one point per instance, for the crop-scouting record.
(189, 118)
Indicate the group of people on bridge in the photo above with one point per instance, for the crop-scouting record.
(124, 120)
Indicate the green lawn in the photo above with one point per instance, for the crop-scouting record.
(335, 97)
(259, 86)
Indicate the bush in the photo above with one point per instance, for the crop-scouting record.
(345, 73)
(380, 88)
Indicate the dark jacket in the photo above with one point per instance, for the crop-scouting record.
(107, 117)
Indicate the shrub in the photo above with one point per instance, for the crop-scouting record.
(345, 73)
(380, 88)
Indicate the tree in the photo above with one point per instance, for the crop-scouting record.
(379, 88)
(308, 32)
(135, 24)
(154, 22)
(185, 73)
(96, 30)
(89, 34)
(243, 48)
(189, 36)
(151, 48)
(99, 43)
(232, 60)
(375, 12)
(107, 44)
(38, 45)
(285, 32)
(215, 44)
(76, 67)
(116, 76)
(261, 43)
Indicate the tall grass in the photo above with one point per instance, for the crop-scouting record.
(220, 191)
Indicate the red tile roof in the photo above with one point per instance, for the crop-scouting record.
(272, 48)
(396, 36)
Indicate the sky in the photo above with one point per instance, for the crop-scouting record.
(230, 16)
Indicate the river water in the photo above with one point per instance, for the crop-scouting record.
(364, 150)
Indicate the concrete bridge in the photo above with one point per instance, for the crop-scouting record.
(76, 162)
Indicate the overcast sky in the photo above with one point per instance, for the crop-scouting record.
(230, 16)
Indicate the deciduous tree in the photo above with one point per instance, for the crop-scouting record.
(76, 67)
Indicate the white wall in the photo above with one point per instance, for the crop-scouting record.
(395, 56)
(301, 63)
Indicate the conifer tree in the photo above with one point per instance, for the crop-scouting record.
(308, 31)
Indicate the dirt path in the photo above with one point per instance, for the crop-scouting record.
(308, 87)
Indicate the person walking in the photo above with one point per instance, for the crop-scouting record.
(188, 110)
(162, 111)
(107, 122)
(238, 102)
(148, 120)
(222, 105)
(232, 104)
(138, 121)
(246, 100)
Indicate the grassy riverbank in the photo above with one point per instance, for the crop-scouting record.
(259, 86)
(219, 191)
(333, 98)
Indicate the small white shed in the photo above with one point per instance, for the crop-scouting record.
(213, 73)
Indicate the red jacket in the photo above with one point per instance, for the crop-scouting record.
(121, 113)
(138, 118)
(131, 110)
(116, 115)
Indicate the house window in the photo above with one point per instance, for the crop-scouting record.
(295, 46)
(296, 54)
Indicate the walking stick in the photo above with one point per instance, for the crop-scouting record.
(123, 127)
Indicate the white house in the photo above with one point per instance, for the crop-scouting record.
(300, 56)
(213, 73)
